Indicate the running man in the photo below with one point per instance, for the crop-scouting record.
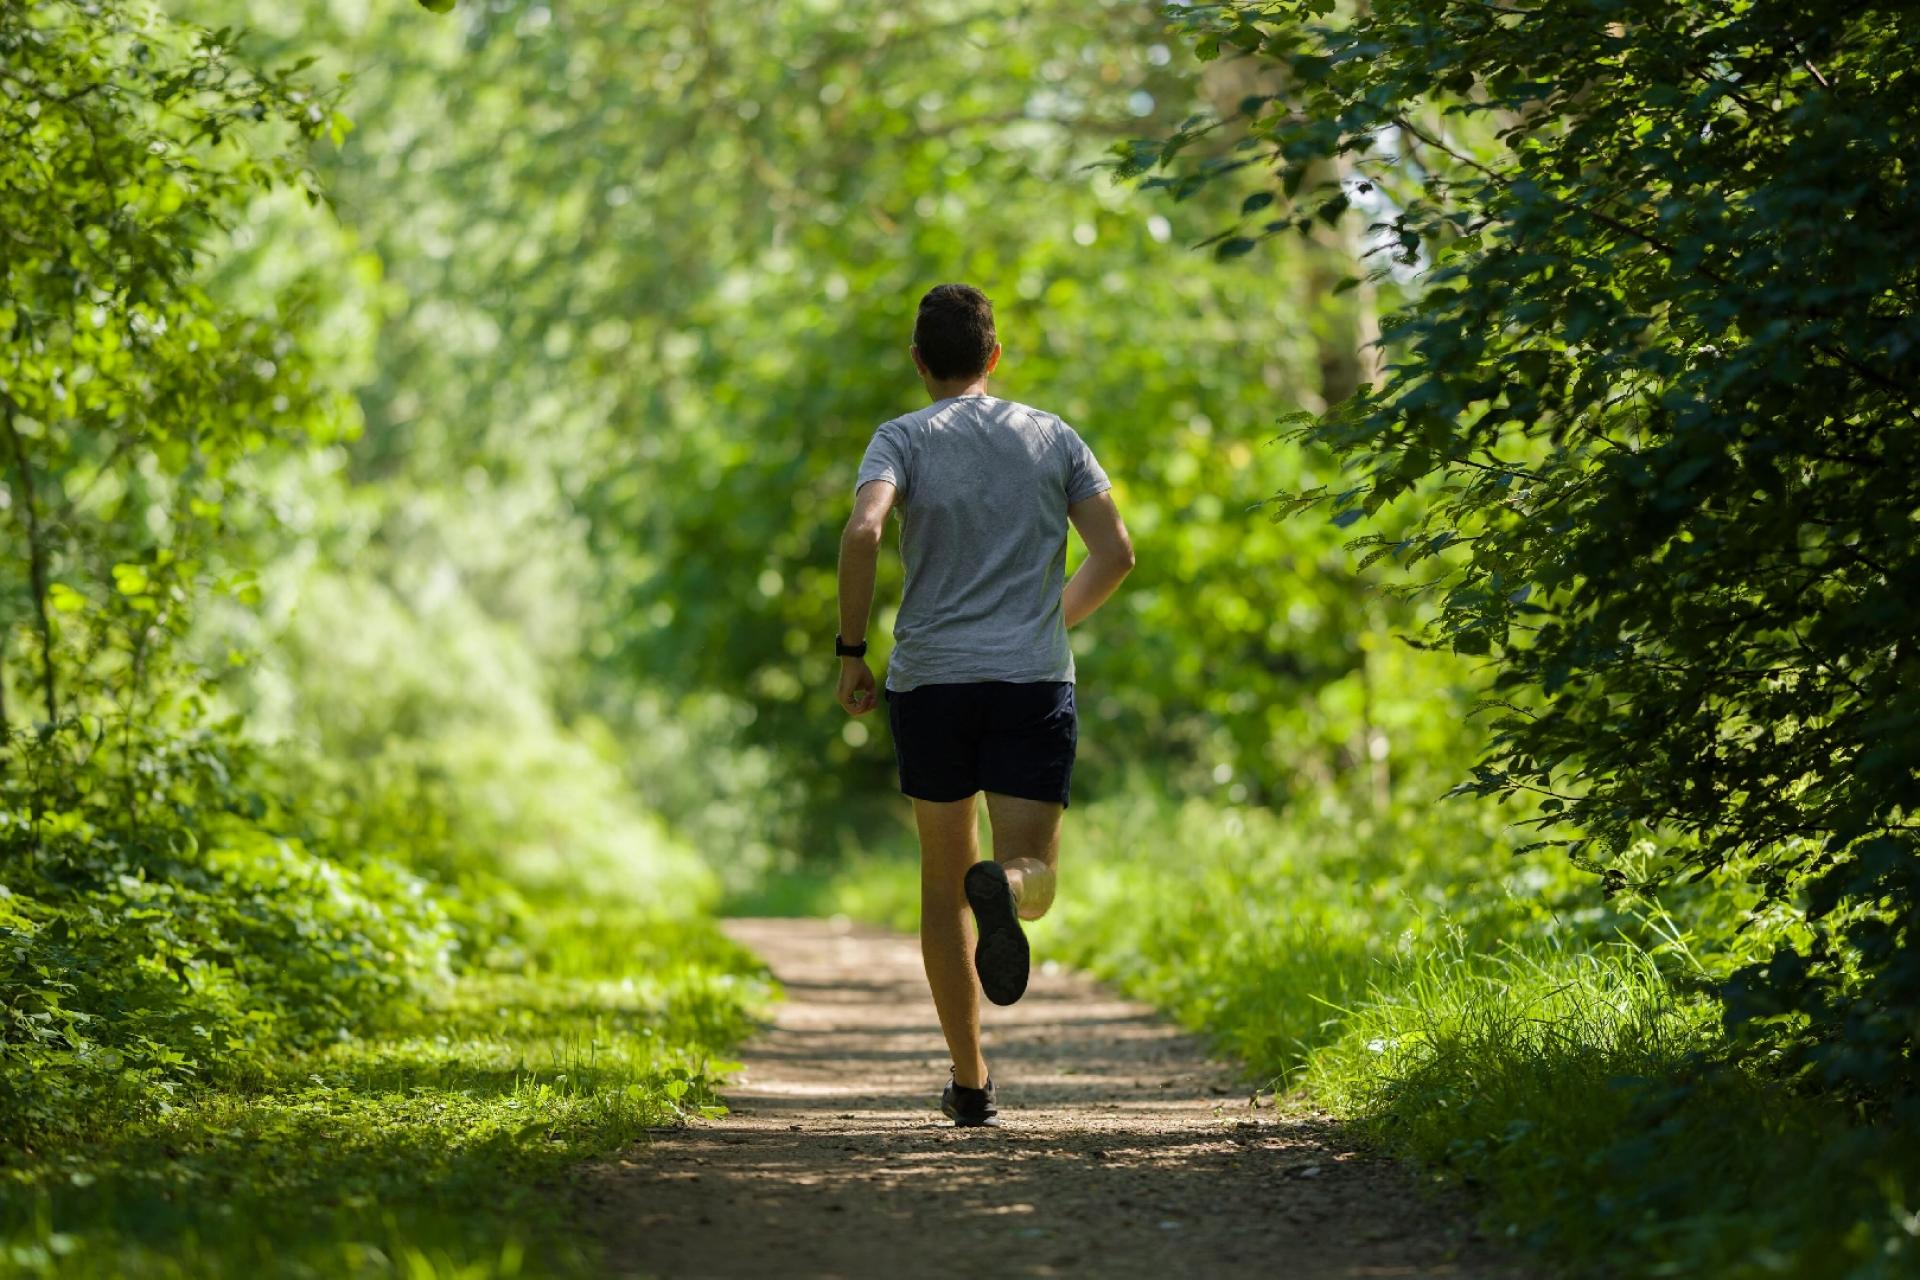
(980, 683)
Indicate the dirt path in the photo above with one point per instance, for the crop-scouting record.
(1124, 1150)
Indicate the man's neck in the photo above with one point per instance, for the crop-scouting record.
(966, 387)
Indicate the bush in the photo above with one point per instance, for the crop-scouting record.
(191, 944)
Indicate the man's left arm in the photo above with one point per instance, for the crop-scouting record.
(859, 560)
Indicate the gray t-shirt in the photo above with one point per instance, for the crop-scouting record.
(984, 488)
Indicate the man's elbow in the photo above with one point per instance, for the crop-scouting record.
(862, 535)
(1123, 557)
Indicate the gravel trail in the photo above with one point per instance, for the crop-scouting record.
(1124, 1151)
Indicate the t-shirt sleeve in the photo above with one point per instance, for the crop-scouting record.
(1085, 476)
(885, 459)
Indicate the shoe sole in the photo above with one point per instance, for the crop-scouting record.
(1001, 957)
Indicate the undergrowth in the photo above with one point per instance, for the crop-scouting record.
(435, 1146)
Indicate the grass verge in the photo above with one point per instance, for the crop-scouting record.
(433, 1148)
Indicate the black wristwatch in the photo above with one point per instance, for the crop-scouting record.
(841, 649)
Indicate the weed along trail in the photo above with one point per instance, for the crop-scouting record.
(1124, 1150)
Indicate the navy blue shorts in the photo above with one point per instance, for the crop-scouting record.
(955, 739)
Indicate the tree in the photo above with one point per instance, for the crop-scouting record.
(1655, 408)
(159, 916)
(127, 393)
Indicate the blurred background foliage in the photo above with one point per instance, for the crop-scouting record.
(640, 310)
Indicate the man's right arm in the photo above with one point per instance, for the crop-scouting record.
(1109, 555)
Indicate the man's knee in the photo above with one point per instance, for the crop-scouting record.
(1033, 885)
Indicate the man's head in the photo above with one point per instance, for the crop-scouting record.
(953, 338)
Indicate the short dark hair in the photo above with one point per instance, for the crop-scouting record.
(954, 331)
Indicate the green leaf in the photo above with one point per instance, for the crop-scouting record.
(130, 579)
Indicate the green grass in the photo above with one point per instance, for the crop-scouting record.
(1488, 1016)
(1585, 1096)
(436, 1148)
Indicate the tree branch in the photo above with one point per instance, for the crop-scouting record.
(36, 555)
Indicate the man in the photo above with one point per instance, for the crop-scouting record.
(980, 683)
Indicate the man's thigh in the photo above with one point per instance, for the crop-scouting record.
(1024, 828)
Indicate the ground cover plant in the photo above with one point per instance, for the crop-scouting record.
(433, 1145)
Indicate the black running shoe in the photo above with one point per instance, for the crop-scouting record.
(970, 1108)
(1001, 957)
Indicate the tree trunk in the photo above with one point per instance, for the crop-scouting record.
(36, 558)
(6, 727)
(134, 687)
(1374, 743)
(1345, 330)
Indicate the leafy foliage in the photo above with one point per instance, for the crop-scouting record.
(139, 964)
(183, 898)
(127, 394)
(388, 574)
(1654, 405)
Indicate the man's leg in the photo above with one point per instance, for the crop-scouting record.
(1026, 844)
(949, 844)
